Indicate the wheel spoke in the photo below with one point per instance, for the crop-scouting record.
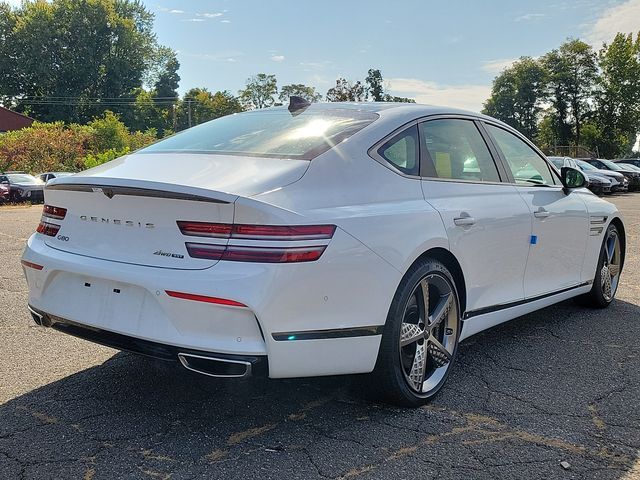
(611, 248)
(614, 269)
(606, 282)
(424, 289)
(416, 375)
(441, 310)
(410, 333)
(439, 354)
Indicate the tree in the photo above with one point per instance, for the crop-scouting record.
(300, 90)
(375, 87)
(346, 91)
(573, 73)
(393, 98)
(259, 91)
(166, 85)
(618, 95)
(67, 59)
(517, 95)
(202, 106)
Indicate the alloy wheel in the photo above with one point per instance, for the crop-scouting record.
(428, 333)
(610, 272)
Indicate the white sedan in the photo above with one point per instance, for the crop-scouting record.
(320, 239)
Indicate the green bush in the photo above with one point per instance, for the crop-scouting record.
(58, 147)
(43, 147)
(93, 160)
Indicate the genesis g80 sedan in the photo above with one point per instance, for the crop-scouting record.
(322, 239)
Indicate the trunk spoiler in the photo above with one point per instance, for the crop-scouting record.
(150, 189)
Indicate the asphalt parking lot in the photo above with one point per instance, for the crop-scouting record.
(559, 385)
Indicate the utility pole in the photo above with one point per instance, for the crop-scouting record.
(189, 106)
(175, 119)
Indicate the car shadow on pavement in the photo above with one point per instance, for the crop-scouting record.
(560, 385)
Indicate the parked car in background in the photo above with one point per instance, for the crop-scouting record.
(320, 239)
(46, 176)
(598, 184)
(23, 187)
(629, 161)
(619, 183)
(632, 175)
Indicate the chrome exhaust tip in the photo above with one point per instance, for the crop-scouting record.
(215, 366)
(37, 317)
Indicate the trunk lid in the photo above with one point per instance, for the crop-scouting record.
(126, 210)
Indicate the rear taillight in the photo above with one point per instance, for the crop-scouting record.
(49, 212)
(202, 229)
(57, 213)
(256, 253)
(257, 232)
(49, 229)
(235, 253)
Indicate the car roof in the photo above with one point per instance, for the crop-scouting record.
(386, 108)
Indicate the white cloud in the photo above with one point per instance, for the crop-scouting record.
(277, 58)
(621, 18)
(13, 3)
(225, 21)
(470, 97)
(530, 16)
(209, 15)
(175, 11)
(497, 65)
(230, 56)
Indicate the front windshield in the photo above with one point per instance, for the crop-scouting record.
(584, 165)
(558, 162)
(272, 132)
(23, 178)
(612, 165)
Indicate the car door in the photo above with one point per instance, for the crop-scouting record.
(560, 219)
(487, 222)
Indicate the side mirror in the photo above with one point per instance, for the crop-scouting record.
(572, 178)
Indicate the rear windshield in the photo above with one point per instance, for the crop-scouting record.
(273, 132)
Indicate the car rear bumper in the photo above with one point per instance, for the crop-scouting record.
(307, 319)
(210, 363)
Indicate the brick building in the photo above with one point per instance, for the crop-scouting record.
(10, 120)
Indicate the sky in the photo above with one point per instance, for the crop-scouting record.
(438, 52)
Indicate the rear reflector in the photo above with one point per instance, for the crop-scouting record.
(257, 232)
(49, 229)
(57, 213)
(204, 298)
(234, 253)
(35, 266)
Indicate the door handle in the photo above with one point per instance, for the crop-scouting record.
(464, 220)
(541, 213)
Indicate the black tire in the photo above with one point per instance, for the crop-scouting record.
(597, 297)
(389, 381)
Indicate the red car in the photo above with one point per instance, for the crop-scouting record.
(4, 193)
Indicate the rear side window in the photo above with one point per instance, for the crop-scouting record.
(273, 132)
(402, 151)
(527, 166)
(457, 151)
